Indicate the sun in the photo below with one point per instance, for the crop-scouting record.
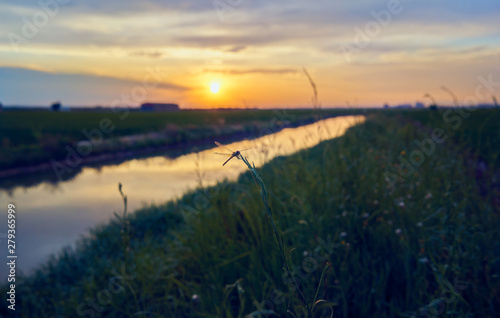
(214, 87)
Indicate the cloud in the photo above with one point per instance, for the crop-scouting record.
(167, 24)
(258, 37)
(211, 41)
(33, 87)
(255, 71)
(124, 6)
(236, 49)
(152, 54)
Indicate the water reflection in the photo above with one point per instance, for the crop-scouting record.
(50, 217)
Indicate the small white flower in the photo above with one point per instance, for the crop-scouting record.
(398, 231)
(365, 215)
(424, 260)
(428, 196)
(344, 213)
(419, 224)
(305, 253)
(375, 202)
(195, 297)
(401, 204)
(343, 234)
(409, 196)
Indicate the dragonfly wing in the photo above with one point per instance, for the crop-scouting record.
(245, 149)
(224, 154)
(221, 145)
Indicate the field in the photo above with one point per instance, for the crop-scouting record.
(397, 218)
(34, 137)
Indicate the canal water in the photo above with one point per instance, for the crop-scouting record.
(49, 217)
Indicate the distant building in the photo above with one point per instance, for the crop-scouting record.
(154, 107)
(56, 106)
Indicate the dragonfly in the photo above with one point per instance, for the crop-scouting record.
(231, 155)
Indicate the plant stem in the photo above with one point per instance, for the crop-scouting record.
(263, 193)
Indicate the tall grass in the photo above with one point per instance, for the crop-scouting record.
(279, 239)
(427, 246)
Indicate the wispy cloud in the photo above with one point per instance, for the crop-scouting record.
(119, 39)
(149, 54)
(254, 71)
(34, 87)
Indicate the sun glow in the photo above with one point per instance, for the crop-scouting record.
(214, 88)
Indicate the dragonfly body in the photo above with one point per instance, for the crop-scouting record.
(231, 155)
(235, 154)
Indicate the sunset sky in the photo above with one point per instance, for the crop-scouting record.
(365, 53)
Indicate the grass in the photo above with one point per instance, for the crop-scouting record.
(33, 137)
(426, 246)
(474, 132)
(279, 239)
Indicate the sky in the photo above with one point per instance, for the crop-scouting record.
(359, 53)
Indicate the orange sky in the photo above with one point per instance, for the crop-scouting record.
(366, 53)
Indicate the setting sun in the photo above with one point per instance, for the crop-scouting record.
(214, 87)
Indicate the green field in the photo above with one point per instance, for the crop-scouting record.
(361, 232)
(33, 137)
